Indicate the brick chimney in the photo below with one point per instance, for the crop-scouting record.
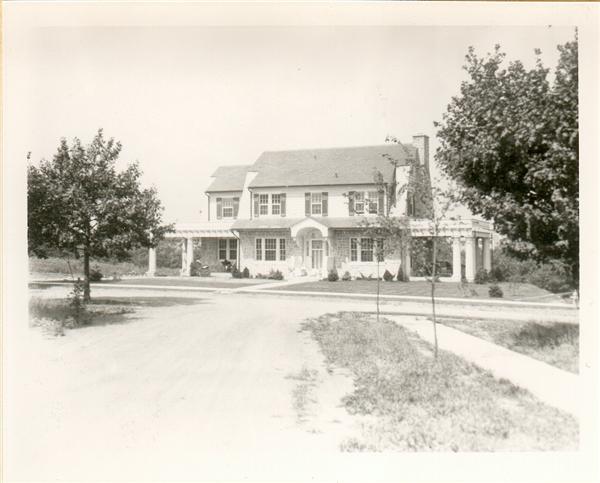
(421, 142)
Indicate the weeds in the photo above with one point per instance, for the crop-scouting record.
(420, 403)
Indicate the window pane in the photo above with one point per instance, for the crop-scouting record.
(282, 249)
(276, 209)
(264, 199)
(366, 250)
(270, 249)
(316, 197)
(353, 250)
(264, 209)
(232, 249)
(259, 249)
(316, 209)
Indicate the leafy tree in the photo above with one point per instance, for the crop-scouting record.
(510, 141)
(79, 203)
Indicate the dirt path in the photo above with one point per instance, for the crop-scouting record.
(174, 384)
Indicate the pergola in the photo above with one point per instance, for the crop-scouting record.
(468, 234)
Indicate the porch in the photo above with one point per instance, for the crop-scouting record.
(311, 246)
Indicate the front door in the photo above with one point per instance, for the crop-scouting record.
(317, 254)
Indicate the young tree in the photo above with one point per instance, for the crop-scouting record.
(439, 203)
(510, 141)
(79, 203)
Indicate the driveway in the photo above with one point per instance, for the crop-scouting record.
(174, 388)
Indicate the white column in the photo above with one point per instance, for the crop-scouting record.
(470, 247)
(325, 256)
(406, 268)
(456, 265)
(151, 262)
(487, 254)
(189, 258)
(183, 257)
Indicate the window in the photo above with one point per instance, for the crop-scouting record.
(233, 249)
(316, 203)
(366, 202)
(270, 249)
(263, 201)
(359, 202)
(366, 250)
(363, 249)
(222, 249)
(275, 204)
(228, 249)
(227, 207)
(259, 248)
(353, 250)
(373, 202)
(282, 249)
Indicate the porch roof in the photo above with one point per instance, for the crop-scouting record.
(208, 229)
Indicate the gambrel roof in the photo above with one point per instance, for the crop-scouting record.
(316, 167)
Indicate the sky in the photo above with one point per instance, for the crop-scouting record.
(185, 100)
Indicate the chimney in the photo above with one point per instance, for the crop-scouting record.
(421, 142)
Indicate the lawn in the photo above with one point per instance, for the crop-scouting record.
(554, 343)
(208, 282)
(522, 291)
(54, 265)
(412, 402)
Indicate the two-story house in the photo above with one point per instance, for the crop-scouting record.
(303, 211)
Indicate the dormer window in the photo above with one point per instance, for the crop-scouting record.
(227, 207)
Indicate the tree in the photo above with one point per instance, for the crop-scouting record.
(79, 203)
(510, 141)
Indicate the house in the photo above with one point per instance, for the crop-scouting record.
(304, 211)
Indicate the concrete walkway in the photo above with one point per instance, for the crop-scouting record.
(553, 386)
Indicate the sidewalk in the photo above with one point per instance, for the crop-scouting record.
(552, 386)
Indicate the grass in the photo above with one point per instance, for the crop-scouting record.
(191, 282)
(413, 402)
(56, 315)
(55, 265)
(521, 291)
(554, 343)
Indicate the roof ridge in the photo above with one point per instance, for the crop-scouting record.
(334, 147)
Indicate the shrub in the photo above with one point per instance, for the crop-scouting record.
(495, 291)
(387, 276)
(275, 275)
(482, 276)
(497, 275)
(245, 273)
(235, 273)
(96, 274)
(333, 276)
(346, 277)
(197, 269)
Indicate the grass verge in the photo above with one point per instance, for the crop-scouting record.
(56, 315)
(554, 343)
(417, 403)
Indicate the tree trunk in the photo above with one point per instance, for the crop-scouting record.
(434, 257)
(378, 287)
(86, 275)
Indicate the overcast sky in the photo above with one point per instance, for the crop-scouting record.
(185, 100)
